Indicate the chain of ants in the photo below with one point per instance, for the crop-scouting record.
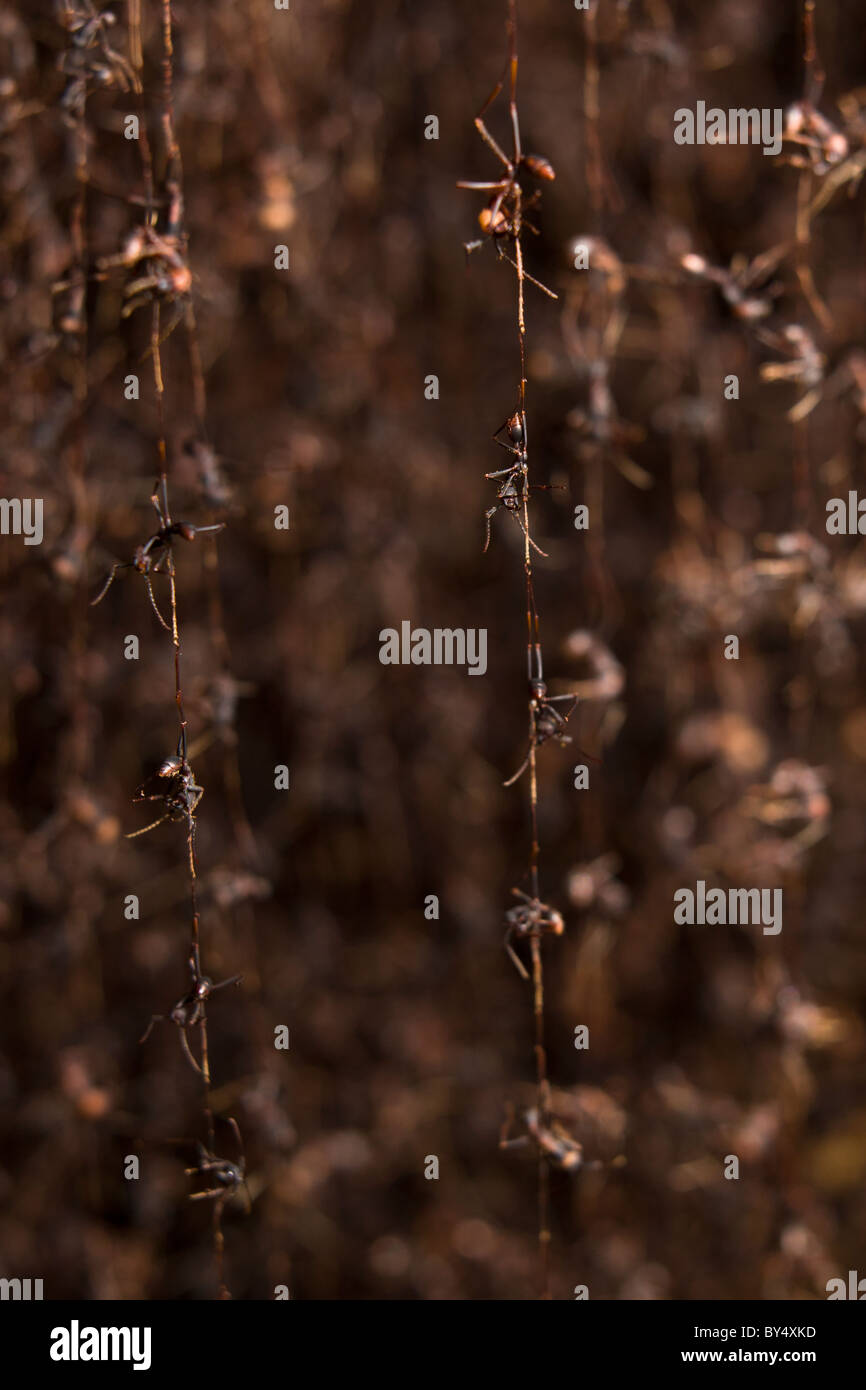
(161, 255)
(155, 260)
(591, 336)
(503, 222)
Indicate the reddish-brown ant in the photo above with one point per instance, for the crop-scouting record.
(175, 786)
(503, 220)
(530, 918)
(189, 1011)
(514, 487)
(156, 556)
(551, 1139)
(90, 57)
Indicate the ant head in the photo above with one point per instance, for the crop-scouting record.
(171, 767)
(519, 919)
(203, 987)
(537, 689)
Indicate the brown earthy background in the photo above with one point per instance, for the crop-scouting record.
(409, 1036)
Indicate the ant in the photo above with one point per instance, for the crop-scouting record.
(162, 256)
(156, 556)
(545, 722)
(551, 1139)
(229, 1177)
(90, 56)
(746, 286)
(175, 786)
(823, 145)
(530, 918)
(190, 1010)
(510, 496)
(512, 491)
(502, 220)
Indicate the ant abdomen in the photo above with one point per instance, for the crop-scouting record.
(539, 167)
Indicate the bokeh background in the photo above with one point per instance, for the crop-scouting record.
(409, 1036)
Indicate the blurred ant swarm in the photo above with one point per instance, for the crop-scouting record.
(686, 407)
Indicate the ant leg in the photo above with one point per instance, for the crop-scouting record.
(153, 605)
(519, 520)
(515, 957)
(519, 773)
(235, 1127)
(515, 125)
(140, 301)
(506, 1129)
(161, 504)
(519, 1143)
(242, 1163)
(200, 744)
(190, 844)
(491, 512)
(561, 718)
(483, 187)
(154, 1018)
(501, 442)
(235, 980)
(525, 275)
(485, 133)
(184, 1042)
(109, 581)
(134, 833)
(501, 472)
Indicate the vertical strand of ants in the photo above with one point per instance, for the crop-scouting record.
(533, 646)
(173, 187)
(503, 222)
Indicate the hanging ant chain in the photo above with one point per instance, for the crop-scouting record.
(174, 185)
(503, 222)
(164, 255)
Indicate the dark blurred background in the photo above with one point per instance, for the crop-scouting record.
(410, 1036)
